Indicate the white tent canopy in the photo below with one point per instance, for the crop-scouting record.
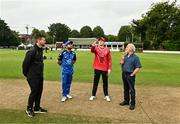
(29, 45)
(22, 45)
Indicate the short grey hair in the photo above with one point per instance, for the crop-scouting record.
(132, 47)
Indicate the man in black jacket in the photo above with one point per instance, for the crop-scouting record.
(33, 67)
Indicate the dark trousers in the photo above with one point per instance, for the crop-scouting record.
(36, 86)
(97, 74)
(129, 88)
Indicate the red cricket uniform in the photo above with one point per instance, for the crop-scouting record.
(102, 60)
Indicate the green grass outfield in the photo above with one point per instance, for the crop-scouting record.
(19, 116)
(157, 70)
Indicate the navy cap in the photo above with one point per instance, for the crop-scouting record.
(68, 42)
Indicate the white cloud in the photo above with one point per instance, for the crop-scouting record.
(110, 14)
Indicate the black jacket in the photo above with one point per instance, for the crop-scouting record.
(33, 65)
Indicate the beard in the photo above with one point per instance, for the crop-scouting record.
(42, 45)
(69, 48)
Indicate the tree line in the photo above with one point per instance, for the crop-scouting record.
(8, 37)
(159, 28)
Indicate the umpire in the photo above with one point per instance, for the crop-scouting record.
(130, 67)
(33, 67)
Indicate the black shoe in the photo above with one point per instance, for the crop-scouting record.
(40, 110)
(132, 107)
(30, 113)
(123, 103)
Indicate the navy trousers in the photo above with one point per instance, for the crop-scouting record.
(129, 88)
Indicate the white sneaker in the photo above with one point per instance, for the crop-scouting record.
(63, 99)
(107, 98)
(92, 98)
(68, 96)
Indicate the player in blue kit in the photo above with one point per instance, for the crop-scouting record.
(66, 59)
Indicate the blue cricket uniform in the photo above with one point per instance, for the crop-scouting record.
(67, 60)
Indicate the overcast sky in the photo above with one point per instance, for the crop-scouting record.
(109, 14)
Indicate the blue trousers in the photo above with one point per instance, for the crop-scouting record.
(66, 83)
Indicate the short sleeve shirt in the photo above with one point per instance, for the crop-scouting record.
(131, 63)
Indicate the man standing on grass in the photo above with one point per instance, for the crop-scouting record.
(102, 66)
(33, 70)
(66, 59)
(130, 67)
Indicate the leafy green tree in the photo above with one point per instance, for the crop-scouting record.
(35, 32)
(74, 34)
(125, 34)
(59, 32)
(49, 38)
(4, 33)
(159, 26)
(98, 32)
(140, 28)
(86, 32)
(112, 38)
(15, 40)
(7, 36)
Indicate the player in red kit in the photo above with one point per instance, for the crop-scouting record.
(102, 66)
